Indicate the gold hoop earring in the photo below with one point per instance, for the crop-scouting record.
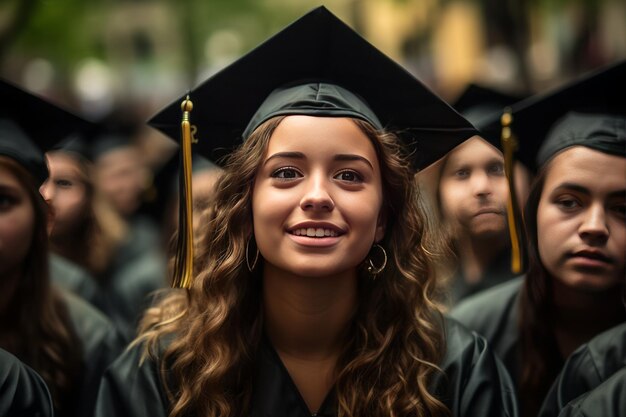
(374, 270)
(256, 258)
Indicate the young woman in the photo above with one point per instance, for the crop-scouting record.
(61, 337)
(312, 293)
(577, 241)
(89, 232)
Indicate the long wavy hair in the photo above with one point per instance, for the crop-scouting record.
(96, 237)
(397, 337)
(37, 328)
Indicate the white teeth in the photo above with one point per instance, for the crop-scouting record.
(315, 232)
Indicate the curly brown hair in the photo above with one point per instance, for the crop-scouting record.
(218, 324)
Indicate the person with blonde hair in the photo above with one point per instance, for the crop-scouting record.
(311, 289)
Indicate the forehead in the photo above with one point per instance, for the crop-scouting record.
(319, 136)
(473, 150)
(595, 170)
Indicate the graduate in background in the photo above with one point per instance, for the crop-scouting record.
(126, 269)
(576, 230)
(22, 391)
(469, 196)
(311, 292)
(68, 342)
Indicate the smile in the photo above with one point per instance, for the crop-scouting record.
(315, 232)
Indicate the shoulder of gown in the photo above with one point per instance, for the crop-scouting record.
(606, 400)
(71, 277)
(22, 391)
(100, 345)
(586, 368)
(494, 314)
(474, 382)
(132, 388)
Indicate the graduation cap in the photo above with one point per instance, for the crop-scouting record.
(533, 121)
(483, 106)
(316, 66)
(30, 125)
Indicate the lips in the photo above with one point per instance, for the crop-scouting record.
(316, 230)
(592, 255)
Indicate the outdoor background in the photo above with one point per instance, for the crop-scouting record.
(97, 57)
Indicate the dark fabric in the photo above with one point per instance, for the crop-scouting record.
(22, 391)
(317, 48)
(588, 367)
(474, 383)
(494, 314)
(498, 272)
(137, 271)
(71, 277)
(607, 400)
(600, 132)
(100, 345)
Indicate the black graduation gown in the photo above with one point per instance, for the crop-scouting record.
(71, 277)
(100, 345)
(607, 400)
(499, 271)
(589, 366)
(137, 270)
(22, 391)
(474, 383)
(494, 314)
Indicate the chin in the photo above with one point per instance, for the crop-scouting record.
(592, 283)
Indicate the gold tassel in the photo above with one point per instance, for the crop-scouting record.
(509, 146)
(183, 263)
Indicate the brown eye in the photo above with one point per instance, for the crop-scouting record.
(286, 173)
(349, 176)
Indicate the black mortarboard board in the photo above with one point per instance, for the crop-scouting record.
(481, 106)
(322, 50)
(534, 120)
(316, 66)
(30, 126)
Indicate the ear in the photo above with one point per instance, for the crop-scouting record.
(381, 226)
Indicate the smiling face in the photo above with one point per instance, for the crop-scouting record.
(581, 223)
(473, 190)
(317, 197)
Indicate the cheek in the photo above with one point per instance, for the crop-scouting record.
(16, 231)
(451, 197)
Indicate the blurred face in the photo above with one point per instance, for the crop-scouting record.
(66, 190)
(581, 223)
(17, 222)
(121, 176)
(473, 189)
(317, 197)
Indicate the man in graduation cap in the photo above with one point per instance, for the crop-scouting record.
(575, 137)
(312, 292)
(469, 192)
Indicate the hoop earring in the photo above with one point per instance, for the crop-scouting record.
(374, 270)
(256, 258)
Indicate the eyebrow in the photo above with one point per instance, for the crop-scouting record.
(300, 155)
(586, 191)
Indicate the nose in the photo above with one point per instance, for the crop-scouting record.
(317, 196)
(593, 228)
(46, 190)
(480, 183)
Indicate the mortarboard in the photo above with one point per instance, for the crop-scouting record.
(534, 120)
(316, 66)
(30, 125)
(481, 106)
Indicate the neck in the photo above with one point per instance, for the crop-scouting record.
(477, 253)
(580, 315)
(307, 318)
